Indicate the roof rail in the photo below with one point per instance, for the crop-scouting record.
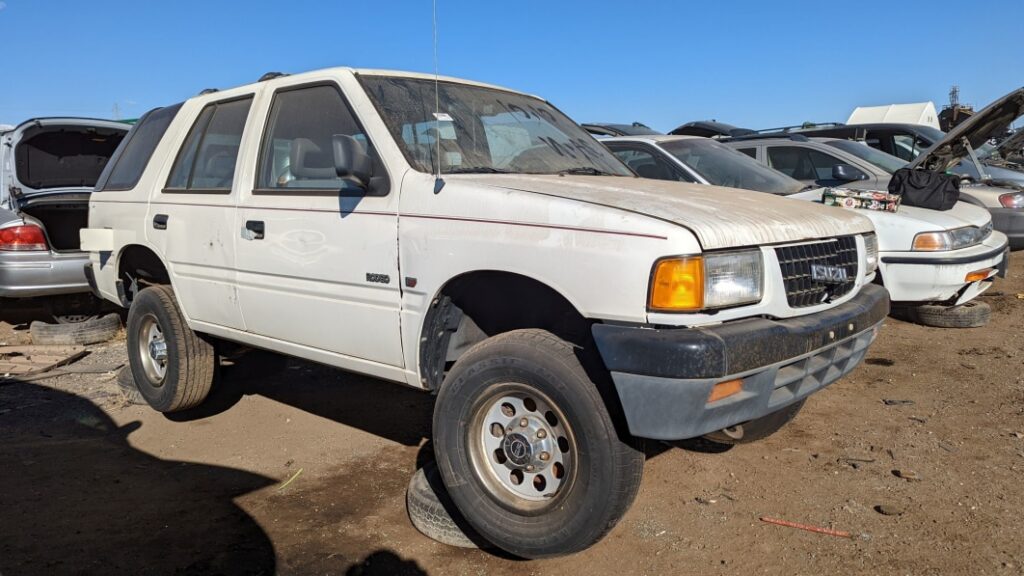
(767, 136)
(800, 127)
(272, 75)
(206, 91)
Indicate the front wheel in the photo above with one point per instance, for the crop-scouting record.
(172, 366)
(528, 449)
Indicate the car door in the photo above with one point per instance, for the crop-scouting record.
(191, 219)
(317, 254)
(808, 165)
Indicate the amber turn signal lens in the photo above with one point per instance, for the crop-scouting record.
(678, 285)
(977, 275)
(725, 389)
(931, 242)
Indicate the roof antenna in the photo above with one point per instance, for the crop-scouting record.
(438, 181)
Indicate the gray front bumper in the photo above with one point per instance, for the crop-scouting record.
(29, 274)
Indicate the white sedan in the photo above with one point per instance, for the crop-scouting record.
(930, 261)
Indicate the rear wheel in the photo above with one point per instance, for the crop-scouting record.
(172, 366)
(528, 449)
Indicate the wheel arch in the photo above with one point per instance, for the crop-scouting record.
(138, 264)
(478, 304)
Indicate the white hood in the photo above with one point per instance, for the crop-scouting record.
(719, 217)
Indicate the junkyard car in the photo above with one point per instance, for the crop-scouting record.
(952, 271)
(997, 188)
(488, 250)
(48, 167)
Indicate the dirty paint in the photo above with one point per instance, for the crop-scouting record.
(719, 217)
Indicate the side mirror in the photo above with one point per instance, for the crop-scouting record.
(351, 160)
(845, 173)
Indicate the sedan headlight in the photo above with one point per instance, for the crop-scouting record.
(693, 283)
(871, 252)
(1015, 200)
(951, 239)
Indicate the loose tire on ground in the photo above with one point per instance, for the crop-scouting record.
(79, 334)
(173, 367)
(126, 383)
(432, 512)
(758, 429)
(971, 314)
(591, 475)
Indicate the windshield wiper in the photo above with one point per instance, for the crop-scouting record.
(476, 170)
(584, 171)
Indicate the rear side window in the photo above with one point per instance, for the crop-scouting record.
(803, 163)
(207, 159)
(129, 161)
(298, 145)
(752, 152)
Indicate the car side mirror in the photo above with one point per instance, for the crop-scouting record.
(351, 160)
(845, 173)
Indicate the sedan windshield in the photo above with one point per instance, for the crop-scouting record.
(723, 166)
(861, 150)
(473, 129)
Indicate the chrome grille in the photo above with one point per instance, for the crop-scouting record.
(795, 263)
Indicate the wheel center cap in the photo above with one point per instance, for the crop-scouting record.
(518, 450)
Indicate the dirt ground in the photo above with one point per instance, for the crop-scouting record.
(294, 468)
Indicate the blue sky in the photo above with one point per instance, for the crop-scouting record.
(755, 64)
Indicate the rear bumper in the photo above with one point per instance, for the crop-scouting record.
(1010, 222)
(664, 377)
(30, 274)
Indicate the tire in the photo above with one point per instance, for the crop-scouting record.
(126, 383)
(432, 512)
(78, 334)
(971, 314)
(523, 382)
(757, 429)
(173, 367)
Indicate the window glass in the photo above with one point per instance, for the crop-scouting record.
(752, 152)
(298, 146)
(125, 169)
(907, 146)
(208, 157)
(721, 165)
(865, 152)
(803, 163)
(461, 128)
(649, 165)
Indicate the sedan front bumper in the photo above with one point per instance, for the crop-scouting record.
(922, 277)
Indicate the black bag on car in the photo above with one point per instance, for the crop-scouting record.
(925, 188)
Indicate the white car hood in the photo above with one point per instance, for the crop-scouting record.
(896, 230)
(719, 217)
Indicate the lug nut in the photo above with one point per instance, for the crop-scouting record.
(523, 422)
(529, 468)
(542, 433)
(545, 456)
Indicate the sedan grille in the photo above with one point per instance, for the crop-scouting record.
(806, 288)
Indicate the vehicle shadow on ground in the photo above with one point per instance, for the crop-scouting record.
(387, 410)
(75, 497)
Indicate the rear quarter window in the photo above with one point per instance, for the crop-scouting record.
(129, 161)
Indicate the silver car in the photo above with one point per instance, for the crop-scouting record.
(48, 167)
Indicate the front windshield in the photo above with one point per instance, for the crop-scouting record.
(861, 150)
(723, 166)
(484, 130)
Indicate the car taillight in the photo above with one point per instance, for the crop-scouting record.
(1015, 200)
(22, 238)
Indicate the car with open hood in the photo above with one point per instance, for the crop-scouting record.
(48, 167)
(988, 181)
(473, 241)
(912, 265)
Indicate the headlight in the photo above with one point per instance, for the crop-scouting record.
(1015, 200)
(871, 252)
(693, 283)
(951, 239)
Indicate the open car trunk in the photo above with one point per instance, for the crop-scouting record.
(57, 162)
(61, 215)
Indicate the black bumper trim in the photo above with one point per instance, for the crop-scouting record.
(735, 347)
(90, 278)
(942, 261)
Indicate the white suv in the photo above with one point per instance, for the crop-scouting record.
(557, 305)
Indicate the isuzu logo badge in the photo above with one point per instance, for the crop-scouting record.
(828, 274)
